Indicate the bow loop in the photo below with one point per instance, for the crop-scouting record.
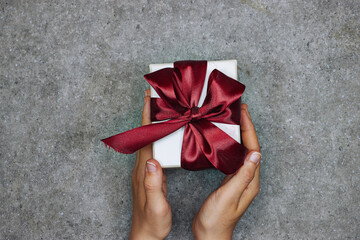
(222, 92)
(192, 79)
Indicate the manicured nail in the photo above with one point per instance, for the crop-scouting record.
(150, 166)
(255, 157)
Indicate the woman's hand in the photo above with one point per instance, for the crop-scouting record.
(224, 207)
(151, 209)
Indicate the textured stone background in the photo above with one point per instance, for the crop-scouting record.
(72, 73)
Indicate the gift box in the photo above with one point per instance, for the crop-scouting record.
(168, 149)
(195, 114)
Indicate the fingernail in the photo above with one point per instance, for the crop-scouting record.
(255, 157)
(150, 166)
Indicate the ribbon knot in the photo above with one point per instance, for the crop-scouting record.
(204, 145)
(195, 113)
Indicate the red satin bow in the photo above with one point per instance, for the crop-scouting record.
(204, 145)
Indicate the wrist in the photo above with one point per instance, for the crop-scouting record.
(200, 232)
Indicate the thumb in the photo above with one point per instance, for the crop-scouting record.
(155, 198)
(242, 178)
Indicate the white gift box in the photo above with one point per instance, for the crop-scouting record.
(168, 149)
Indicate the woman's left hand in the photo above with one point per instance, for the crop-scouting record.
(224, 207)
(151, 209)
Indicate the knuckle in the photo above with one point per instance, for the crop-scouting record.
(149, 186)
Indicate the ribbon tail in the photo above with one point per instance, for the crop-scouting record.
(130, 141)
(224, 153)
(192, 157)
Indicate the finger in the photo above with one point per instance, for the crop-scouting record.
(146, 109)
(250, 141)
(250, 193)
(136, 166)
(153, 184)
(164, 185)
(254, 186)
(235, 187)
(134, 178)
(248, 134)
(146, 152)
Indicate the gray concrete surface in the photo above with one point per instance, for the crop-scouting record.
(71, 73)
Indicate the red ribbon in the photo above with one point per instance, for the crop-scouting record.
(204, 145)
